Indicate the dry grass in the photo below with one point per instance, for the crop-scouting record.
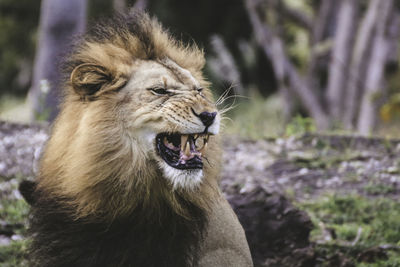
(14, 108)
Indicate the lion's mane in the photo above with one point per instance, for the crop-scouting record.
(96, 202)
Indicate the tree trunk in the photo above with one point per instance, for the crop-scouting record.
(279, 68)
(119, 5)
(60, 20)
(359, 61)
(273, 48)
(340, 58)
(374, 80)
(318, 35)
(224, 65)
(140, 4)
(297, 16)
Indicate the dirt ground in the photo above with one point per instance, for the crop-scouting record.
(307, 167)
(261, 179)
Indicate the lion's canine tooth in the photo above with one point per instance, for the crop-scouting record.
(187, 149)
(184, 138)
(195, 136)
(201, 150)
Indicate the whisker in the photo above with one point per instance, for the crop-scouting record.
(223, 95)
(227, 108)
(226, 118)
(236, 96)
(208, 161)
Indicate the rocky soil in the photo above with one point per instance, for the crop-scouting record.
(260, 178)
(312, 165)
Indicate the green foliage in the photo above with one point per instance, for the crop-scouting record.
(13, 255)
(375, 188)
(393, 260)
(13, 211)
(300, 125)
(13, 216)
(375, 221)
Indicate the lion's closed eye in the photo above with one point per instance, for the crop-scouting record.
(159, 91)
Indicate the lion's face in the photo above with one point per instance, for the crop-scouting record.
(166, 111)
(173, 115)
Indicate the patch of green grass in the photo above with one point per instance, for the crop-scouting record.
(14, 108)
(321, 158)
(393, 260)
(13, 211)
(378, 188)
(358, 223)
(9, 101)
(300, 125)
(256, 118)
(13, 255)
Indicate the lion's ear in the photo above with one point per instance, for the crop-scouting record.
(91, 80)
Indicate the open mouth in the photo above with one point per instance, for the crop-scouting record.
(182, 151)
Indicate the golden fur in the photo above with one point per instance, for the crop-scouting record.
(96, 156)
(104, 195)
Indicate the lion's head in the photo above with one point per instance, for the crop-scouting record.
(137, 124)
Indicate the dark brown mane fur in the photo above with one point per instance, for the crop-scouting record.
(141, 239)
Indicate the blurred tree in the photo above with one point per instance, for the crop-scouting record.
(18, 20)
(387, 30)
(140, 4)
(340, 63)
(60, 21)
(119, 5)
(199, 20)
(99, 9)
(323, 51)
(124, 6)
(353, 58)
(224, 66)
(285, 70)
(360, 58)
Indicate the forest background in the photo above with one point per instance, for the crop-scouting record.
(307, 64)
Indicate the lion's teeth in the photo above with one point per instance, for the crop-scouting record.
(196, 136)
(187, 149)
(201, 150)
(184, 138)
(205, 141)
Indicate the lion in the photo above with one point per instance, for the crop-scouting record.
(129, 176)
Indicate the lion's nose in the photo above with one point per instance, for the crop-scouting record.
(207, 117)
